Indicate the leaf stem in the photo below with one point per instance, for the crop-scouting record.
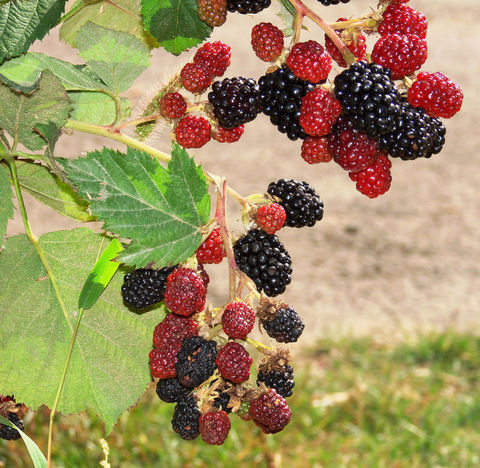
(60, 387)
(221, 218)
(302, 9)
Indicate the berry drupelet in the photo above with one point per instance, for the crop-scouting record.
(281, 94)
(145, 286)
(264, 259)
(302, 205)
(368, 97)
(235, 101)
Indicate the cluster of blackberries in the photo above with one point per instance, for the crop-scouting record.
(12, 411)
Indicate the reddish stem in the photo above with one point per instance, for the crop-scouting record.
(303, 10)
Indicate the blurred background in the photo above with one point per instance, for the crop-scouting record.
(389, 289)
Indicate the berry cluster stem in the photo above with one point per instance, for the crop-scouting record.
(302, 10)
(220, 217)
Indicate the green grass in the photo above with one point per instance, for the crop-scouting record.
(356, 404)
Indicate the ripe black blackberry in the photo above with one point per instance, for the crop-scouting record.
(302, 204)
(281, 379)
(9, 433)
(185, 418)
(247, 6)
(332, 2)
(145, 286)
(285, 326)
(196, 361)
(171, 390)
(264, 259)
(415, 135)
(281, 94)
(235, 101)
(369, 97)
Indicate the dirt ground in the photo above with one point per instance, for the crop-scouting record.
(406, 261)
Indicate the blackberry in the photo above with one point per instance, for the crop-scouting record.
(235, 101)
(171, 390)
(300, 201)
(415, 135)
(285, 325)
(145, 286)
(368, 97)
(246, 7)
(9, 433)
(196, 361)
(264, 259)
(185, 418)
(281, 380)
(332, 2)
(281, 94)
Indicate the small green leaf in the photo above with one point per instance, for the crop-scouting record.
(96, 108)
(161, 211)
(40, 183)
(121, 15)
(116, 57)
(287, 14)
(21, 113)
(100, 276)
(175, 23)
(6, 204)
(38, 459)
(22, 22)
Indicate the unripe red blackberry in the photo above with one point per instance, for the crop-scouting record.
(193, 131)
(437, 94)
(319, 111)
(402, 54)
(351, 148)
(214, 427)
(375, 180)
(267, 41)
(172, 330)
(402, 19)
(238, 320)
(270, 411)
(271, 218)
(185, 292)
(172, 105)
(214, 55)
(195, 77)
(314, 150)
(211, 250)
(234, 362)
(309, 61)
(228, 135)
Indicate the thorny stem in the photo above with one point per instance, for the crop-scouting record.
(303, 10)
(220, 217)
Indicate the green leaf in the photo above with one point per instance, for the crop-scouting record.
(6, 204)
(100, 276)
(174, 23)
(47, 188)
(118, 58)
(287, 14)
(109, 366)
(38, 459)
(90, 106)
(161, 211)
(21, 113)
(26, 70)
(121, 15)
(22, 22)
